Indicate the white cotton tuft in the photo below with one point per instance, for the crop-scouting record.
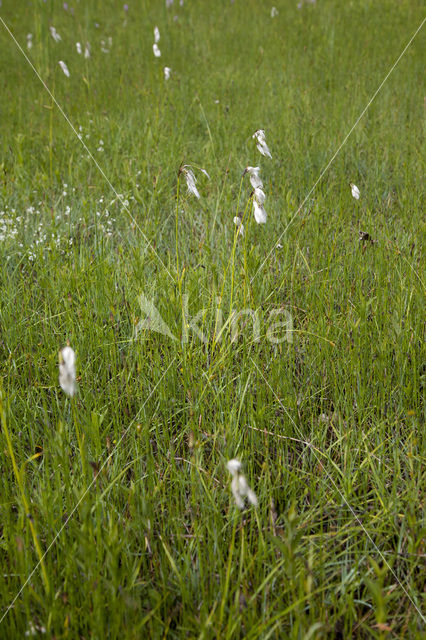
(156, 50)
(234, 466)
(67, 371)
(64, 68)
(78, 47)
(259, 196)
(255, 180)
(259, 136)
(156, 34)
(55, 35)
(239, 485)
(259, 213)
(190, 181)
(167, 72)
(355, 191)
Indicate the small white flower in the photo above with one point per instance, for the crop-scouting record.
(78, 47)
(240, 229)
(259, 213)
(354, 191)
(259, 136)
(259, 196)
(274, 12)
(156, 50)
(64, 68)
(190, 180)
(255, 180)
(239, 485)
(67, 370)
(167, 72)
(156, 34)
(55, 34)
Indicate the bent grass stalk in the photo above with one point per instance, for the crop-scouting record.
(231, 258)
(25, 502)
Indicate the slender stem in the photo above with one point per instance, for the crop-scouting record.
(177, 227)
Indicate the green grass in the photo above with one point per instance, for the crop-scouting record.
(329, 425)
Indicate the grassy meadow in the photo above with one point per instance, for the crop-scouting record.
(117, 518)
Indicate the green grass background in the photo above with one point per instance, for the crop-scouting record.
(330, 426)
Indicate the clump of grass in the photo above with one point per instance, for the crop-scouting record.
(132, 469)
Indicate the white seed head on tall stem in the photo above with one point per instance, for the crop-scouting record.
(167, 72)
(259, 136)
(55, 35)
(255, 180)
(156, 34)
(64, 68)
(190, 178)
(259, 212)
(239, 485)
(259, 196)
(354, 190)
(67, 377)
(156, 50)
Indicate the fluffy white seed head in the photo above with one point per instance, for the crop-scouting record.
(87, 50)
(156, 34)
(190, 180)
(55, 35)
(355, 191)
(234, 466)
(259, 213)
(64, 68)
(259, 196)
(239, 486)
(167, 72)
(259, 136)
(78, 47)
(274, 12)
(255, 180)
(67, 371)
(156, 50)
